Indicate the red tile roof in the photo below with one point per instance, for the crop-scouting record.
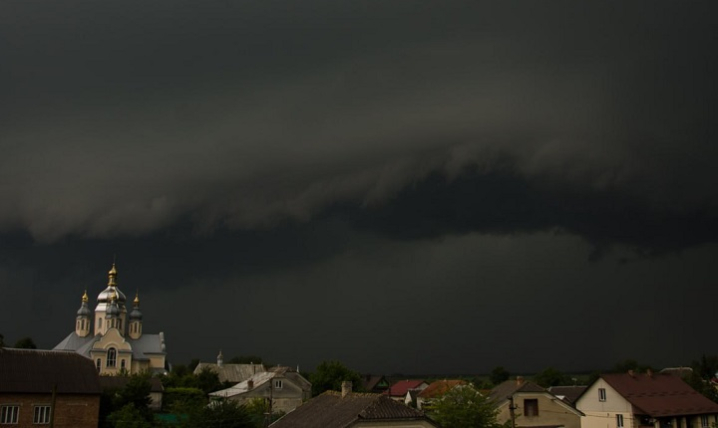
(660, 394)
(440, 387)
(399, 389)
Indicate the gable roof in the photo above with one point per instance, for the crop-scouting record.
(660, 394)
(440, 387)
(399, 389)
(231, 372)
(507, 388)
(141, 348)
(331, 410)
(38, 371)
(568, 393)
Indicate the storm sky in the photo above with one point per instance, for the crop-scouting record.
(407, 187)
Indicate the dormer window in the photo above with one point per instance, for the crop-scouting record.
(278, 384)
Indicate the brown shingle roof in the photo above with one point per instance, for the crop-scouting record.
(38, 371)
(660, 394)
(569, 393)
(503, 390)
(330, 410)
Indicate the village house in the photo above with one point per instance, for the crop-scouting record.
(233, 373)
(286, 389)
(48, 387)
(399, 391)
(532, 405)
(644, 400)
(436, 390)
(347, 409)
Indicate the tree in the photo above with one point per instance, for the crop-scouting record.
(498, 375)
(128, 417)
(551, 377)
(219, 414)
(25, 343)
(208, 380)
(329, 375)
(629, 364)
(464, 407)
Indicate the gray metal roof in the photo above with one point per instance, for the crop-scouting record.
(231, 372)
(146, 344)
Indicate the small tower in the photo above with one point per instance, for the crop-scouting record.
(220, 359)
(112, 316)
(84, 318)
(135, 327)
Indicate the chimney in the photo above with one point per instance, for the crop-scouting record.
(519, 380)
(346, 388)
(250, 384)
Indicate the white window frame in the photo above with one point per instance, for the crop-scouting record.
(619, 420)
(601, 394)
(41, 414)
(278, 384)
(704, 421)
(9, 414)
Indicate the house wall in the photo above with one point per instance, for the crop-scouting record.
(551, 412)
(602, 414)
(284, 399)
(71, 410)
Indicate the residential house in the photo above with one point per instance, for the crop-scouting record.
(232, 373)
(347, 409)
(374, 384)
(531, 405)
(286, 389)
(653, 400)
(44, 387)
(114, 383)
(436, 390)
(398, 391)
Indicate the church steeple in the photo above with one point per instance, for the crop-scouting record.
(84, 315)
(135, 326)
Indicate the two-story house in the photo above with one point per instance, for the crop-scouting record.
(645, 400)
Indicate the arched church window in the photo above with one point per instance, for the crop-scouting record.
(122, 364)
(119, 323)
(111, 357)
(99, 323)
(99, 364)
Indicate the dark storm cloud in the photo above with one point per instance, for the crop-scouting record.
(124, 118)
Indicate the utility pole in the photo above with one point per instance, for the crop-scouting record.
(511, 410)
(52, 406)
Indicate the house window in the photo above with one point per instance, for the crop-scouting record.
(601, 394)
(111, 357)
(9, 414)
(41, 415)
(619, 421)
(704, 421)
(278, 384)
(531, 407)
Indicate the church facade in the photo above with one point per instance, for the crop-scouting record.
(113, 338)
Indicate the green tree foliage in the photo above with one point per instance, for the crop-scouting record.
(706, 367)
(219, 414)
(498, 375)
(179, 399)
(25, 343)
(208, 380)
(246, 359)
(551, 377)
(135, 394)
(128, 417)
(464, 407)
(329, 375)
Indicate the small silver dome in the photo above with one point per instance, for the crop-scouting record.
(84, 311)
(136, 314)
